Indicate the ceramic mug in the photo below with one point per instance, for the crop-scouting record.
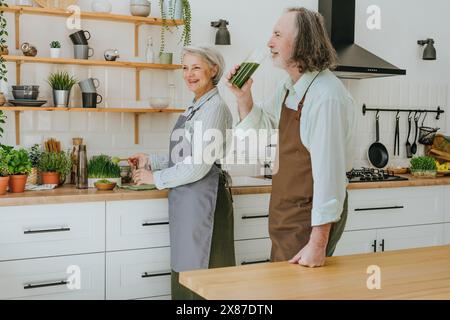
(89, 85)
(90, 99)
(82, 51)
(80, 37)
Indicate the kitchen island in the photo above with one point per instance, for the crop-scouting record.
(406, 274)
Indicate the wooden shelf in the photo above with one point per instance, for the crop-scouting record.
(98, 63)
(91, 15)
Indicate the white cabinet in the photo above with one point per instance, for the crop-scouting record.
(252, 251)
(384, 208)
(138, 273)
(356, 242)
(61, 278)
(51, 230)
(447, 233)
(447, 203)
(251, 216)
(137, 224)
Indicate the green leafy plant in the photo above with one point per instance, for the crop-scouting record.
(186, 17)
(2, 122)
(3, 35)
(4, 161)
(100, 167)
(35, 154)
(55, 45)
(19, 162)
(61, 80)
(60, 162)
(423, 164)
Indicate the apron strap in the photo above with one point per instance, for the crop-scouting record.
(300, 105)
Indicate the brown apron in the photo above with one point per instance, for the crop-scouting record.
(292, 189)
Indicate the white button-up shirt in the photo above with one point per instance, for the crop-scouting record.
(327, 130)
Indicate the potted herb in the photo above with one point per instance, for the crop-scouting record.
(35, 153)
(61, 83)
(54, 167)
(3, 45)
(102, 167)
(4, 170)
(19, 166)
(174, 10)
(55, 49)
(423, 167)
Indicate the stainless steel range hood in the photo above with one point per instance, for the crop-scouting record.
(354, 62)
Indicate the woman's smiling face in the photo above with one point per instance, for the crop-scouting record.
(198, 74)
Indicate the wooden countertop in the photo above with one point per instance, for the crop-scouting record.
(407, 274)
(412, 182)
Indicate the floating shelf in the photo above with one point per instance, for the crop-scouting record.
(137, 111)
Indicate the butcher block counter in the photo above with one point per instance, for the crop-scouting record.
(406, 274)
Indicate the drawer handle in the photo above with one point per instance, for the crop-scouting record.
(254, 262)
(150, 224)
(255, 217)
(43, 285)
(46, 231)
(381, 208)
(152, 275)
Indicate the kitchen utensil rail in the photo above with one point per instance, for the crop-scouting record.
(438, 111)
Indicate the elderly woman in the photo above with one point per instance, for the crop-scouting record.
(200, 205)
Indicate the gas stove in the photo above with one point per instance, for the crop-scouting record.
(372, 175)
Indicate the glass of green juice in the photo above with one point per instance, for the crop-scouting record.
(248, 67)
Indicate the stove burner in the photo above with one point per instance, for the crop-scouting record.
(372, 175)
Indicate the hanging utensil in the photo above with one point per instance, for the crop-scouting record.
(377, 153)
(426, 134)
(408, 144)
(416, 123)
(397, 135)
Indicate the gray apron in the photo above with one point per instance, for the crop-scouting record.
(191, 212)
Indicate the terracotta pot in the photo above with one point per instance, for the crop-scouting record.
(50, 177)
(17, 183)
(3, 185)
(2, 99)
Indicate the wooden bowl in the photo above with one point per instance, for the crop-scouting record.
(105, 186)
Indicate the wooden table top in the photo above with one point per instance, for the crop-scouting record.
(407, 274)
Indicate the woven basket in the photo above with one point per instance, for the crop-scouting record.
(33, 177)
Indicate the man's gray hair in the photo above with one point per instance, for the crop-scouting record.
(211, 56)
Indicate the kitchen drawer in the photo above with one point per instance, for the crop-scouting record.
(251, 217)
(381, 208)
(137, 224)
(51, 230)
(356, 242)
(252, 251)
(138, 273)
(447, 233)
(45, 278)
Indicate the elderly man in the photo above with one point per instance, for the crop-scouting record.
(316, 119)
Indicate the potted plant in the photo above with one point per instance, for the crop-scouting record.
(61, 83)
(54, 167)
(35, 153)
(2, 122)
(4, 170)
(102, 167)
(55, 49)
(423, 167)
(173, 10)
(19, 166)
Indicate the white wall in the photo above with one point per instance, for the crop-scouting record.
(251, 22)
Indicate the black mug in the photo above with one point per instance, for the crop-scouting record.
(79, 37)
(90, 99)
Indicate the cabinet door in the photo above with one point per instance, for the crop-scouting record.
(252, 251)
(447, 204)
(410, 237)
(356, 242)
(251, 216)
(447, 233)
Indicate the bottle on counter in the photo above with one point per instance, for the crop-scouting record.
(82, 168)
(74, 155)
(150, 53)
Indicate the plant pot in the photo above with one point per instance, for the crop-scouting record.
(55, 52)
(51, 178)
(17, 183)
(61, 98)
(92, 181)
(105, 186)
(177, 9)
(33, 177)
(165, 58)
(2, 99)
(3, 185)
(424, 174)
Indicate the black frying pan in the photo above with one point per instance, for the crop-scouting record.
(378, 154)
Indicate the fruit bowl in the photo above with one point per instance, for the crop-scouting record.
(159, 102)
(105, 185)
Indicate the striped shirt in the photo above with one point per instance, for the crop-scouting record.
(213, 113)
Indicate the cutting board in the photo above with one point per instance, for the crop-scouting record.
(61, 4)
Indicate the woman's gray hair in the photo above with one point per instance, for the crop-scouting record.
(211, 56)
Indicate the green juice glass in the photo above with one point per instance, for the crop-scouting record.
(248, 67)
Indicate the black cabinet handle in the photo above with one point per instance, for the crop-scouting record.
(254, 262)
(46, 231)
(374, 245)
(382, 245)
(152, 275)
(380, 208)
(43, 285)
(255, 217)
(148, 224)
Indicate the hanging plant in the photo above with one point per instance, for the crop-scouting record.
(3, 35)
(186, 16)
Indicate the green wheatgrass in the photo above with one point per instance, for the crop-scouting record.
(244, 73)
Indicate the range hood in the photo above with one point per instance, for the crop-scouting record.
(354, 62)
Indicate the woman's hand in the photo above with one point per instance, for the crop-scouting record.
(142, 176)
(139, 160)
(243, 96)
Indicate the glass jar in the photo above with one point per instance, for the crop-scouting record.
(248, 67)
